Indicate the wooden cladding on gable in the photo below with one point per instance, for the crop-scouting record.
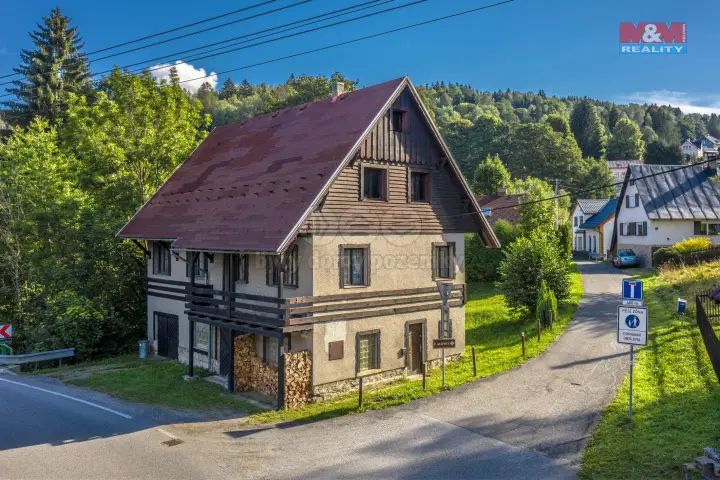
(343, 211)
(412, 142)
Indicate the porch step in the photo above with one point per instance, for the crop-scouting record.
(219, 379)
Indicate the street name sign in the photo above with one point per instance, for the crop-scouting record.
(632, 325)
(632, 290)
(444, 343)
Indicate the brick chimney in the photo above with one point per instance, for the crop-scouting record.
(501, 191)
(338, 88)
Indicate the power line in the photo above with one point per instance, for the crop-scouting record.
(203, 56)
(203, 30)
(316, 19)
(168, 31)
(347, 42)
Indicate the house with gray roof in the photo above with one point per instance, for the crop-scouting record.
(661, 205)
(583, 210)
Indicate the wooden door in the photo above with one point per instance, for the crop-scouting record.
(415, 347)
(167, 335)
(225, 345)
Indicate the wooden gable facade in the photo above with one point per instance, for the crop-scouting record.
(399, 143)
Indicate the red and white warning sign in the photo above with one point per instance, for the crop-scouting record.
(5, 332)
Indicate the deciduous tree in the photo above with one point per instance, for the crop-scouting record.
(626, 142)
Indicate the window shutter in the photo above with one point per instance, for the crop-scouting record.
(644, 229)
(622, 229)
(268, 274)
(627, 201)
(428, 187)
(341, 264)
(451, 260)
(384, 185)
(366, 254)
(637, 199)
(188, 261)
(362, 182)
(434, 261)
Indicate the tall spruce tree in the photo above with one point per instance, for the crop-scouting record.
(588, 129)
(613, 117)
(54, 70)
(228, 90)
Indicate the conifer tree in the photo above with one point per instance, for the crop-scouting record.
(588, 129)
(51, 72)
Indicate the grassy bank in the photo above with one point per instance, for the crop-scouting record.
(162, 383)
(490, 326)
(676, 396)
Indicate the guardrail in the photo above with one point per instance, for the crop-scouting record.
(37, 357)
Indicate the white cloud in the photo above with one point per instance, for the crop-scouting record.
(688, 103)
(191, 77)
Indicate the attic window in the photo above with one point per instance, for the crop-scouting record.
(420, 186)
(374, 183)
(398, 120)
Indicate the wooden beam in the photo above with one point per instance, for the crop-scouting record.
(231, 371)
(281, 374)
(353, 296)
(241, 327)
(146, 252)
(191, 360)
(370, 303)
(372, 313)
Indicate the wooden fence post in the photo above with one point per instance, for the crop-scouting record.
(538, 328)
(474, 362)
(360, 399)
(424, 372)
(522, 339)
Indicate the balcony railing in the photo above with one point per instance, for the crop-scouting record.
(272, 312)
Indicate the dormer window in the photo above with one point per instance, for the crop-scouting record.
(398, 120)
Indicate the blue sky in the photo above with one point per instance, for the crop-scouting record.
(566, 47)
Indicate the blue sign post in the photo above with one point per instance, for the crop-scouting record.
(632, 289)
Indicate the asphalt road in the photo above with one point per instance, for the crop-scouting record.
(530, 422)
(51, 431)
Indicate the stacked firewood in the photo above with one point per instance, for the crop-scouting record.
(244, 352)
(298, 382)
(264, 377)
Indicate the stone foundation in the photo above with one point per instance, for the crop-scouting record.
(328, 390)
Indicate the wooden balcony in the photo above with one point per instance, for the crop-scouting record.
(267, 315)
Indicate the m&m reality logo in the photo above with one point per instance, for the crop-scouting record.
(655, 37)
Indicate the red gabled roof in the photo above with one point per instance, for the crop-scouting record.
(249, 185)
(502, 207)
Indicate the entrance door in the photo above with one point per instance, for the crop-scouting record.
(225, 335)
(167, 335)
(415, 347)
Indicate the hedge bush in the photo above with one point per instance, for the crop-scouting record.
(481, 263)
(528, 262)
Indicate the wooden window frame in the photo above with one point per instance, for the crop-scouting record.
(384, 182)
(290, 265)
(240, 271)
(452, 251)
(341, 264)
(161, 249)
(378, 356)
(403, 114)
(427, 184)
(202, 257)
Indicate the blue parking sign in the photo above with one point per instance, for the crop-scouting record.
(632, 289)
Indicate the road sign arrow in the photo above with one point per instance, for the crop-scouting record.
(5, 331)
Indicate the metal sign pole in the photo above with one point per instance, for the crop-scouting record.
(632, 358)
(442, 335)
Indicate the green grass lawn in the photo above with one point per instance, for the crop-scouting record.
(676, 396)
(162, 383)
(489, 326)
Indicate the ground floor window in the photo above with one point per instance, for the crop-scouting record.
(201, 340)
(368, 354)
(703, 228)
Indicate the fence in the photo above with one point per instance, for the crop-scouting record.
(708, 311)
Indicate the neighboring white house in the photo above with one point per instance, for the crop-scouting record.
(584, 210)
(661, 205)
(690, 149)
(618, 169)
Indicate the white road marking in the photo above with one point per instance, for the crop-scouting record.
(8, 371)
(165, 432)
(80, 400)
